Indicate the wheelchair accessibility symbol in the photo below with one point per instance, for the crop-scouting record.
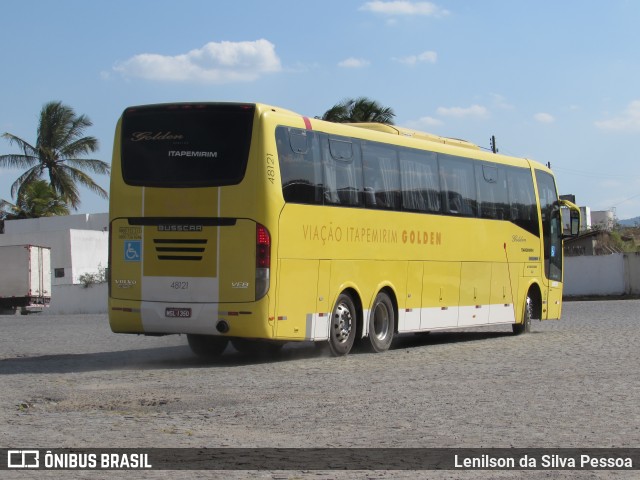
(132, 250)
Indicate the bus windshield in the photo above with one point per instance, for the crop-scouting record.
(186, 146)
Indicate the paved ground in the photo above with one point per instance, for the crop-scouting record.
(70, 382)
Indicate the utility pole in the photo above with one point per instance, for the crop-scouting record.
(494, 148)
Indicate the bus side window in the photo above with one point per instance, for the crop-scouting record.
(524, 211)
(381, 176)
(342, 172)
(492, 191)
(300, 169)
(458, 184)
(420, 181)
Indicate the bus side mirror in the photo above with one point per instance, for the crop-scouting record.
(574, 219)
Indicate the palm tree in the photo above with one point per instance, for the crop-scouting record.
(35, 200)
(60, 144)
(360, 109)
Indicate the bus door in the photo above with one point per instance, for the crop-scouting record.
(552, 237)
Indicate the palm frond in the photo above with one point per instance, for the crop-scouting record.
(93, 165)
(85, 180)
(339, 113)
(17, 161)
(59, 149)
(9, 211)
(360, 109)
(64, 185)
(53, 125)
(81, 146)
(24, 180)
(27, 149)
(76, 128)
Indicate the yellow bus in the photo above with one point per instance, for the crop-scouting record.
(256, 225)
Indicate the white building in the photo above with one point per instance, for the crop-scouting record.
(79, 245)
(604, 219)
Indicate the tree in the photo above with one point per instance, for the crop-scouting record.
(35, 200)
(60, 146)
(360, 109)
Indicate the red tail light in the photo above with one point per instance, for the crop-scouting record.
(263, 247)
(263, 260)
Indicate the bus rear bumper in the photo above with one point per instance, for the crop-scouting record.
(228, 319)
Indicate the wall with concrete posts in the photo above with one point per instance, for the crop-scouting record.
(616, 274)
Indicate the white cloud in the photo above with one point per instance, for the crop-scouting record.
(544, 117)
(477, 111)
(424, 57)
(500, 101)
(627, 121)
(223, 62)
(424, 123)
(352, 62)
(401, 7)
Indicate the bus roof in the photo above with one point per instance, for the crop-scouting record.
(382, 127)
(414, 134)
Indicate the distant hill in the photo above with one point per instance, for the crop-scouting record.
(631, 222)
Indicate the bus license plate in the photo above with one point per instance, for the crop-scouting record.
(174, 312)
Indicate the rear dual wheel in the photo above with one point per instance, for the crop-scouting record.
(342, 331)
(382, 323)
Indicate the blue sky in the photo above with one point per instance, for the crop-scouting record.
(556, 81)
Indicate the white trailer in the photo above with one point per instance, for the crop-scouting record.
(25, 278)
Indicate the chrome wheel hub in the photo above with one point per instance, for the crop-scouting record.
(342, 323)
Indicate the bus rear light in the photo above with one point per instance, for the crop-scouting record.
(263, 260)
(263, 247)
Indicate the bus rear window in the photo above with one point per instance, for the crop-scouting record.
(186, 145)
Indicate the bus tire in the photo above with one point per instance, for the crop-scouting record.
(382, 323)
(342, 330)
(207, 346)
(525, 325)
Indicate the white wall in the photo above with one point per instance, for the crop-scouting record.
(632, 273)
(84, 221)
(89, 252)
(74, 299)
(616, 274)
(79, 243)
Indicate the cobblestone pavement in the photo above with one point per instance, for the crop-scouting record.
(70, 382)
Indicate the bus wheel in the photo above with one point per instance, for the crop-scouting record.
(525, 326)
(342, 332)
(381, 323)
(207, 346)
